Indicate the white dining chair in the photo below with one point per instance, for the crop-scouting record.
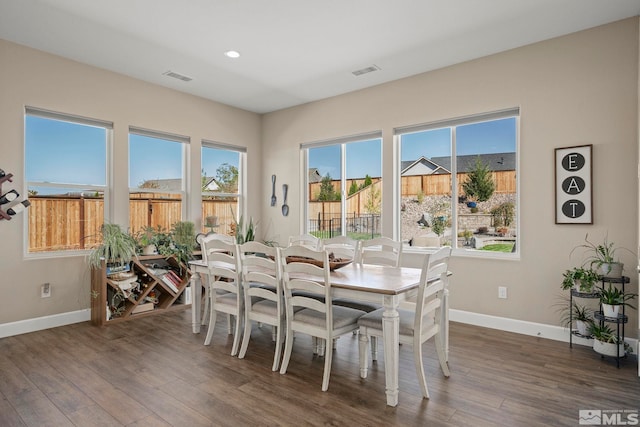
(318, 317)
(263, 294)
(381, 251)
(205, 248)
(417, 327)
(225, 289)
(341, 247)
(307, 240)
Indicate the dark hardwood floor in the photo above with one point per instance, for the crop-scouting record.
(154, 372)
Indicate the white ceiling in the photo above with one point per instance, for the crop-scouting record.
(293, 51)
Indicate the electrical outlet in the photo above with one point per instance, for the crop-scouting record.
(45, 290)
(502, 292)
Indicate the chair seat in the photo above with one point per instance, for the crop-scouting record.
(342, 316)
(374, 320)
(358, 305)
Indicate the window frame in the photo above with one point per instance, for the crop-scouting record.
(185, 142)
(453, 124)
(105, 189)
(242, 178)
(342, 143)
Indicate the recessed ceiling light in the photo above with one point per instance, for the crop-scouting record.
(232, 54)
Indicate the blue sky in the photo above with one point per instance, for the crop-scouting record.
(62, 152)
(363, 158)
(69, 153)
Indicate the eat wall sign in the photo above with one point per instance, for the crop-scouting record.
(573, 185)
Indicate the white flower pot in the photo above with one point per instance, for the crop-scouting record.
(613, 270)
(608, 349)
(150, 250)
(610, 310)
(583, 328)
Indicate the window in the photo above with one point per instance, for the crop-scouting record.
(471, 203)
(156, 179)
(344, 187)
(66, 175)
(222, 176)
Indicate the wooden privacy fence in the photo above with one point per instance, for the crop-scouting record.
(73, 222)
(440, 184)
(432, 185)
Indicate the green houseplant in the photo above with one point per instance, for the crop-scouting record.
(579, 278)
(612, 299)
(602, 257)
(117, 248)
(606, 342)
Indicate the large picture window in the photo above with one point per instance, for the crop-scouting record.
(156, 179)
(66, 175)
(470, 203)
(222, 179)
(344, 187)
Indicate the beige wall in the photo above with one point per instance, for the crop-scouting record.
(33, 78)
(578, 89)
(574, 90)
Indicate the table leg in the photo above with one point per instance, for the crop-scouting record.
(196, 301)
(391, 342)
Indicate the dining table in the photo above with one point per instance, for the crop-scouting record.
(385, 285)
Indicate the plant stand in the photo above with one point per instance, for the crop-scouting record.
(619, 321)
(573, 293)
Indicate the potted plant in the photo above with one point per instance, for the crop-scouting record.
(612, 298)
(117, 249)
(606, 342)
(584, 319)
(579, 278)
(146, 239)
(603, 257)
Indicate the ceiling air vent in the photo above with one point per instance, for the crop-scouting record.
(365, 70)
(177, 76)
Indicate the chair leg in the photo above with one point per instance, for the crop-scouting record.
(417, 360)
(287, 350)
(327, 369)
(314, 345)
(229, 326)
(236, 335)
(212, 324)
(442, 356)
(278, 350)
(363, 350)
(205, 309)
(245, 338)
(374, 348)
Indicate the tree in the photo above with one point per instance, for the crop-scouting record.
(227, 178)
(372, 202)
(327, 192)
(353, 188)
(367, 182)
(479, 184)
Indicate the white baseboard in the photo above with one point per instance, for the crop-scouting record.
(523, 327)
(46, 322)
(557, 333)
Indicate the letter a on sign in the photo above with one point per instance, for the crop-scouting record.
(573, 185)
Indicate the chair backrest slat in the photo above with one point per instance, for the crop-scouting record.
(433, 282)
(381, 251)
(307, 278)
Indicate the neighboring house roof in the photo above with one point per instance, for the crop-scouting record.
(167, 184)
(210, 184)
(495, 162)
(422, 166)
(314, 175)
